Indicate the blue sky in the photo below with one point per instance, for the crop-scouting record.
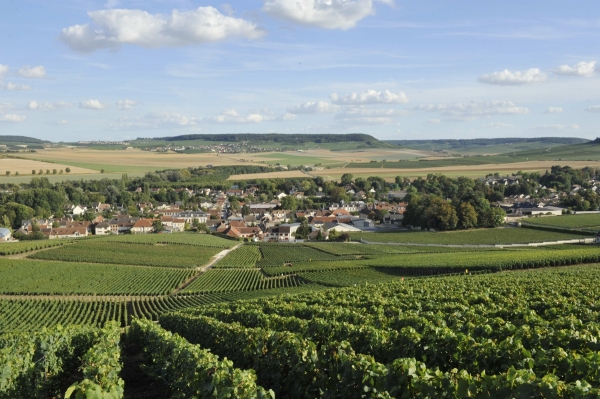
(119, 69)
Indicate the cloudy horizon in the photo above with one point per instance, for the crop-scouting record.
(120, 69)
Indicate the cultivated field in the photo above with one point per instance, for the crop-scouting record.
(474, 237)
(25, 166)
(586, 221)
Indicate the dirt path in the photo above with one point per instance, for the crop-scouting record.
(204, 269)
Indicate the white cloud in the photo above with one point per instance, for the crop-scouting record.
(15, 87)
(5, 106)
(593, 108)
(3, 70)
(93, 104)
(327, 14)
(473, 109)
(517, 78)
(584, 69)
(232, 116)
(434, 121)
(358, 113)
(12, 118)
(553, 110)
(370, 97)
(62, 122)
(126, 105)
(171, 118)
(555, 127)
(46, 106)
(33, 72)
(113, 28)
(312, 107)
(498, 125)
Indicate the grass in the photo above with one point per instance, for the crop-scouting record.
(473, 237)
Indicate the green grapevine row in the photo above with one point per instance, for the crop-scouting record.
(229, 280)
(39, 277)
(28, 246)
(244, 256)
(101, 251)
(204, 240)
(277, 255)
(348, 277)
(190, 371)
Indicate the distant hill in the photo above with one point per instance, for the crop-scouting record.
(352, 141)
(488, 146)
(275, 137)
(21, 139)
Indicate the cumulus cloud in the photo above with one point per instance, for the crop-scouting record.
(232, 116)
(171, 118)
(12, 118)
(593, 108)
(47, 106)
(155, 120)
(6, 106)
(584, 69)
(554, 127)
(517, 78)
(126, 105)
(434, 121)
(93, 104)
(36, 72)
(553, 110)
(15, 87)
(498, 125)
(3, 70)
(473, 109)
(356, 113)
(327, 14)
(112, 28)
(370, 97)
(313, 107)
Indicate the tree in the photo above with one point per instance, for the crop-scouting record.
(439, 215)
(380, 214)
(303, 230)
(157, 226)
(6, 222)
(289, 202)
(61, 172)
(494, 217)
(347, 178)
(41, 172)
(47, 171)
(68, 170)
(245, 210)
(8, 173)
(33, 171)
(467, 216)
(53, 171)
(101, 170)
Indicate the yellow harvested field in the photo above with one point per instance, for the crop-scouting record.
(462, 170)
(272, 175)
(25, 166)
(136, 157)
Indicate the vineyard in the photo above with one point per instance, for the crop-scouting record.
(275, 255)
(589, 221)
(470, 237)
(101, 251)
(244, 256)
(499, 335)
(230, 280)
(37, 277)
(25, 246)
(348, 277)
(203, 240)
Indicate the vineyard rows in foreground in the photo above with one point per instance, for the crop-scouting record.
(230, 280)
(35, 314)
(527, 334)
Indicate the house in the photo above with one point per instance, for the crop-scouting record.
(102, 228)
(397, 195)
(178, 224)
(234, 192)
(167, 220)
(122, 224)
(77, 210)
(299, 194)
(318, 221)
(340, 227)
(314, 235)
(67, 232)
(254, 233)
(363, 223)
(284, 232)
(530, 209)
(98, 207)
(281, 195)
(142, 226)
(191, 216)
(5, 234)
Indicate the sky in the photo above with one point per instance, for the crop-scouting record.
(74, 70)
